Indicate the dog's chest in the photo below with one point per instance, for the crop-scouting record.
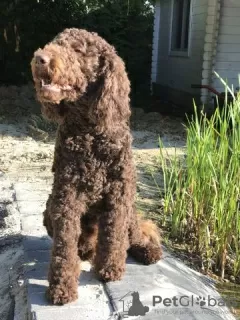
(90, 148)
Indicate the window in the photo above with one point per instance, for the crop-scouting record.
(180, 25)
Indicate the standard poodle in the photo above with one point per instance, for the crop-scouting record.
(82, 84)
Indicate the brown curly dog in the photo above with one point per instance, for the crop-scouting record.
(83, 86)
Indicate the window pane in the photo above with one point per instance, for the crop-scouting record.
(187, 25)
(180, 25)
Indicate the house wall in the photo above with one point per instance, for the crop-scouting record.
(227, 60)
(176, 74)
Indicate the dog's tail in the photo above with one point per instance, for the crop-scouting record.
(145, 241)
(150, 232)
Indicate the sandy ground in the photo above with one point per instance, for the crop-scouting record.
(26, 155)
(25, 150)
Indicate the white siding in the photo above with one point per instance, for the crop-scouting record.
(155, 42)
(227, 61)
(180, 72)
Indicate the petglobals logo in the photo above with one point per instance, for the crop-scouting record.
(188, 301)
(133, 304)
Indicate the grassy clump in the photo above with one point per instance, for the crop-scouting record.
(202, 191)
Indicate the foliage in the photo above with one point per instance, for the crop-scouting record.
(202, 191)
(26, 25)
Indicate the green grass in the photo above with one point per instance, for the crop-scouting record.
(202, 190)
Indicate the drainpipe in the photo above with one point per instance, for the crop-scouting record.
(210, 47)
(156, 40)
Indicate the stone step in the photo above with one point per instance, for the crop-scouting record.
(93, 302)
(168, 290)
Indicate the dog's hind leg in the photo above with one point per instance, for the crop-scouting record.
(112, 242)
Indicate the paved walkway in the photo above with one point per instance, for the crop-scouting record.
(146, 292)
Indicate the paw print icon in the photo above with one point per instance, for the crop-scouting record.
(201, 301)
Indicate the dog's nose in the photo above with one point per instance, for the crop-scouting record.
(42, 59)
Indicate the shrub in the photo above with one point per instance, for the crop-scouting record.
(26, 25)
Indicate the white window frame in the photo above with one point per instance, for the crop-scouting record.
(180, 53)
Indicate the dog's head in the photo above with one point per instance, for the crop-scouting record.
(55, 76)
(79, 73)
(135, 295)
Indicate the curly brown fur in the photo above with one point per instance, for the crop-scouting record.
(82, 84)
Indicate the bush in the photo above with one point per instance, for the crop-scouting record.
(202, 190)
(26, 25)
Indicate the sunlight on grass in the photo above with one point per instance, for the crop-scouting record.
(202, 189)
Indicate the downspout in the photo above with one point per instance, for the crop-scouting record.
(156, 39)
(210, 47)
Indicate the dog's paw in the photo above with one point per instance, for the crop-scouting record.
(60, 295)
(111, 273)
(148, 254)
(153, 255)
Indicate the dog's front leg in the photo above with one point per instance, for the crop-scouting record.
(64, 267)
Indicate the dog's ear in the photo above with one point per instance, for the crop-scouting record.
(110, 105)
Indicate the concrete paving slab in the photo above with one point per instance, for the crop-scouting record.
(93, 302)
(41, 186)
(32, 197)
(31, 207)
(37, 256)
(37, 243)
(86, 299)
(84, 313)
(167, 290)
(36, 270)
(25, 192)
(33, 225)
(36, 286)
